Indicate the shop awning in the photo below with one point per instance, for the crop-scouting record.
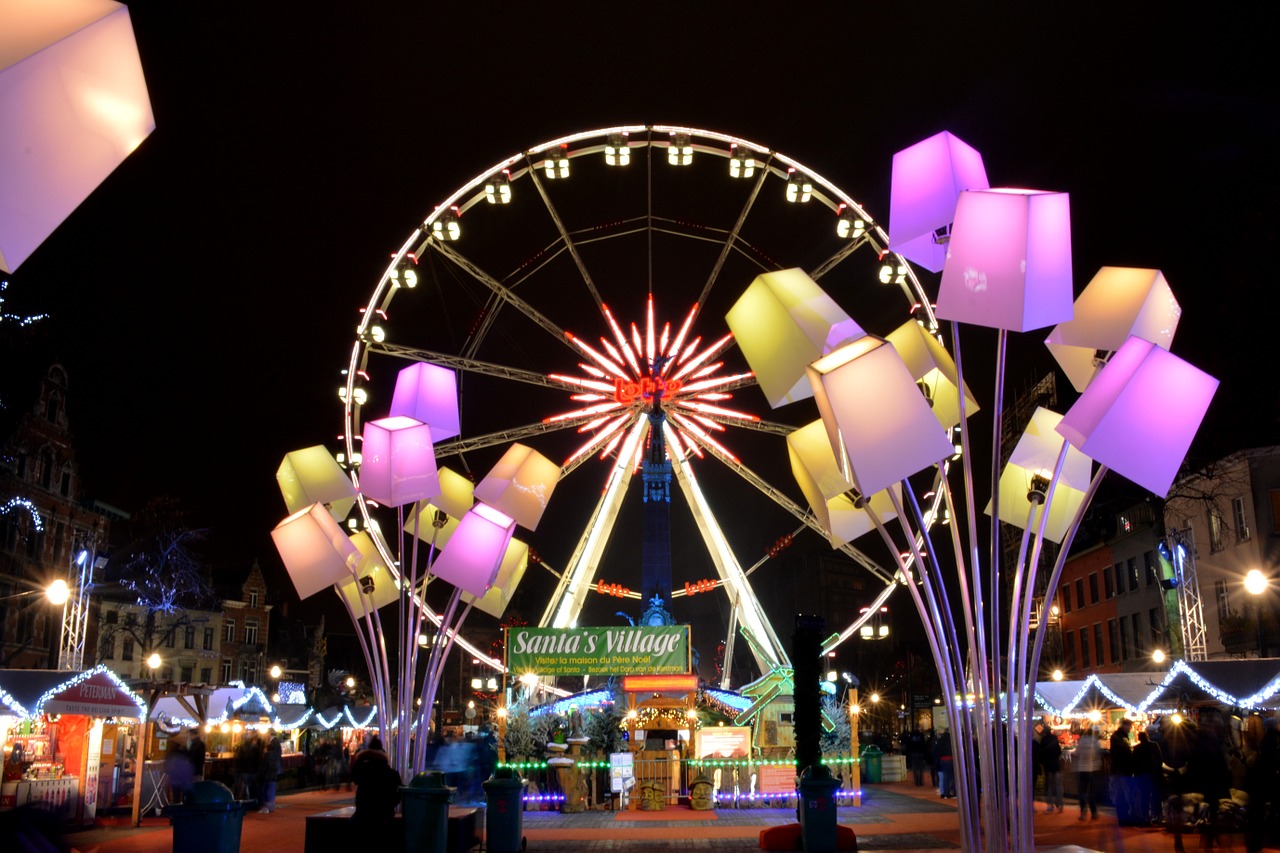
(1246, 684)
(98, 692)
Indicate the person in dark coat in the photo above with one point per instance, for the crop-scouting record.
(1148, 779)
(272, 765)
(196, 752)
(1050, 755)
(943, 761)
(377, 793)
(1122, 773)
(915, 757)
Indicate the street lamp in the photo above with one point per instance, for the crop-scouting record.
(1256, 583)
(1157, 657)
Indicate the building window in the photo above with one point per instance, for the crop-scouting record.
(1153, 618)
(126, 649)
(59, 534)
(1093, 587)
(206, 674)
(1139, 645)
(1124, 524)
(226, 670)
(208, 639)
(1121, 579)
(185, 673)
(1274, 494)
(250, 632)
(1113, 638)
(1223, 597)
(1084, 648)
(229, 631)
(1241, 520)
(1149, 564)
(189, 637)
(1080, 593)
(1125, 652)
(1107, 584)
(249, 672)
(107, 650)
(1098, 651)
(253, 598)
(1069, 641)
(1215, 529)
(1132, 567)
(110, 617)
(1066, 598)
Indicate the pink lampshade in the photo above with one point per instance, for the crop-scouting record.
(1009, 260)
(429, 393)
(1117, 302)
(73, 105)
(879, 425)
(514, 562)
(1140, 413)
(927, 180)
(399, 462)
(474, 554)
(315, 551)
(520, 485)
(312, 475)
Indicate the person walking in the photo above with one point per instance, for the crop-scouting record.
(248, 758)
(915, 757)
(1148, 780)
(377, 794)
(272, 764)
(1087, 760)
(945, 767)
(196, 752)
(1122, 773)
(1050, 754)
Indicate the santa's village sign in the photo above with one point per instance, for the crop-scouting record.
(646, 650)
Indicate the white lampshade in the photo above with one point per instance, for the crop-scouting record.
(73, 105)
(1117, 303)
(314, 550)
(880, 427)
(514, 562)
(927, 180)
(814, 466)
(1036, 454)
(399, 461)
(311, 476)
(520, 485)
(1008, 260)
(373, 587)
(1140, 413)
(934, 371)
(782, 323)
(428, 393)
(475, 552)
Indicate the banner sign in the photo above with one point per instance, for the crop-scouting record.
(644, 650)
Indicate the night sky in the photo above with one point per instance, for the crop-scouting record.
(205, 298)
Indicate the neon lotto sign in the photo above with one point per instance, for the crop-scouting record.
(627, 392)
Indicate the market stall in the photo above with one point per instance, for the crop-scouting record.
(58, 738)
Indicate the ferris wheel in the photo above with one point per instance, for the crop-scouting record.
(568, 281)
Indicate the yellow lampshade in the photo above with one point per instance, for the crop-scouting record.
(520, 485)
(1034, 457)
(1117, 302)
(934, 371)
(782, 323)
(880, 427)
(311, 476)
(374, 587)
(814, 466)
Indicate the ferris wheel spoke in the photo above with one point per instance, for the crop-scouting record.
(566, 238)
(501, 292)
(845, 251)
(470, 365)
(459, 446)
(733, 236)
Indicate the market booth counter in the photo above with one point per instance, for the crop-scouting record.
(52, 726)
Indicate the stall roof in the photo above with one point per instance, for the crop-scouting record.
(97, 692)
(1240, 683)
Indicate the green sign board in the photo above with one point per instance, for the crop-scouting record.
(646, 650)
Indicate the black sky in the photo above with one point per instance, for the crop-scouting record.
(205, 297)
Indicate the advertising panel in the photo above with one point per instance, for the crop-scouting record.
(643, 650)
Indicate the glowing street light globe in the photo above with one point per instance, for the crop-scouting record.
(153, 660)
(58, 592)
(1255, 582)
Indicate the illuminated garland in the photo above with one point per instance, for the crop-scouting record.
(542, 765)
(328, 724)
(12, 704)
(306, 715)
(762, 762)
(373, 712)
(594, 699)
(735, 702)
(22, 503)
(1252, 702)
(543, 798)
(85, 676)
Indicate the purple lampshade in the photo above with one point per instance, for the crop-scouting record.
(880, 426)
(73, 105)
(1009, 260)
(315, 551)
(1140, 413)
(429, 393)
(514, 562)
(399, 462)
(520, 485)
(474, 554)
(927, 180)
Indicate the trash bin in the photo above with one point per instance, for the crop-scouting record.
(425, 806)
(208, 821)
(871, 764)
(818, 808)
(504, 812)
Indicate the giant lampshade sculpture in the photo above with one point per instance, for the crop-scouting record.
(782, 323)
(890, 408)
(927, 180)
(73, 105)
(451, 539)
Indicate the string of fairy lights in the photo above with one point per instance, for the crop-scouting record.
(1263, 698)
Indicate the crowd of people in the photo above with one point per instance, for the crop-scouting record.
(184, 763)
(258, 763)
